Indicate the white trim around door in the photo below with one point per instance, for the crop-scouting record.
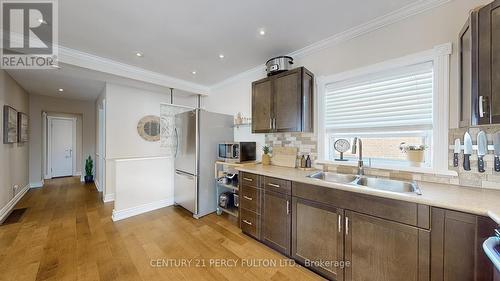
(50, 119)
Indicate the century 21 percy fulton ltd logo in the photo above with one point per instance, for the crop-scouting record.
(29, 34)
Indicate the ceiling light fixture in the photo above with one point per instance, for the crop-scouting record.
(42, 21)
(262, 32)
(193, 72)
(61, 90)
(221, 56)
(139, 54)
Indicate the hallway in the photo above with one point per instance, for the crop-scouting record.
(67, 234)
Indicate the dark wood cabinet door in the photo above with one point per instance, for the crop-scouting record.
(456, 242)
(381, 250)
(287, 101)
(276, 219)
(262, 106)
(317, 236)
(489, 60)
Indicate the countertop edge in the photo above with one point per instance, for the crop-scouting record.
(493, 214)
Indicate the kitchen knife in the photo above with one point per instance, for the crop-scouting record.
(467, 151)
(482, 149)
(496, 145)
(456, 152)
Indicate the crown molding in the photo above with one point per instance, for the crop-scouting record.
(86, 60)
(396, 16)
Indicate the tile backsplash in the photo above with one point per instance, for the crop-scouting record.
(307, 144)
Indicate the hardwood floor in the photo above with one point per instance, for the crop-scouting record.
(67, 234)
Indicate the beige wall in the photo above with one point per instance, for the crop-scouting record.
(53, 105)
(13, 157)
(412, 35)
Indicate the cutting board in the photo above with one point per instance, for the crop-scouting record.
(284, 156)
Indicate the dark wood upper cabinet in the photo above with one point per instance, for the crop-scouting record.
(262, 102)
(381, 250)
(276, 219)
(480, 67)
(283, 102)
(317, 235)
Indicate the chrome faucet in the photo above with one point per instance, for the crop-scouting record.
(361, 169)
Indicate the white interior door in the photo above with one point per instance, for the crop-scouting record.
(62, 147)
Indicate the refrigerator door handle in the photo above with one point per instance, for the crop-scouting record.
(189, 176)
(176, 142)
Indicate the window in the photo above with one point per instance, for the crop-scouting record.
(384, 109)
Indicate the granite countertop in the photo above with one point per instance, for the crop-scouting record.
(484, 202)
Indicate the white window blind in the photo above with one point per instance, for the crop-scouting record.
(397, 100)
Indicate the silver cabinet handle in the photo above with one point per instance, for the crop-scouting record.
(346, 225)
(248, 179)
(482, 102)
(273, 185)
(248, 198)
(270, 123)
(287, 207)
(274, 123)
(340, 223)
(247, 222)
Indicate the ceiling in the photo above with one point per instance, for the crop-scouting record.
(77, 83)
(178, 37)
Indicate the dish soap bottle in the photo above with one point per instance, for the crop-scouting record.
(308, 162)
(302, 162)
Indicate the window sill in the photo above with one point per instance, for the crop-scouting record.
(422, 170)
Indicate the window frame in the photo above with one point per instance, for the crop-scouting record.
(440, 58)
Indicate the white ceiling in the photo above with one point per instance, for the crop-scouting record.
(178, 37)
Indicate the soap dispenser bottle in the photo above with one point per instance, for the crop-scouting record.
(308, 162)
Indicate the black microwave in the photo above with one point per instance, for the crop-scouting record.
(237, 151)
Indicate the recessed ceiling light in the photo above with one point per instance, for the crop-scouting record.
(61, 90)
(221, 56)
(193, 72)
(139, 54)
(262, 31)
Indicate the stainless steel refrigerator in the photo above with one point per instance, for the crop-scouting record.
(198, 132)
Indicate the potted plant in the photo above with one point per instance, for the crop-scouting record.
(414, 153)
(89, 166)
(266, 158)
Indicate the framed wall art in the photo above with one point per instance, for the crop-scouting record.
(9, 124)
(22, 127)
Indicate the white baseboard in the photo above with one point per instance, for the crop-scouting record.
(97, 185)
(5, 211)
(108, 198)
(134, 211)
(36, 184)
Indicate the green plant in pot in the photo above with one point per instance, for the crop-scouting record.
(89, 167)
(266, 158)
(414, 153)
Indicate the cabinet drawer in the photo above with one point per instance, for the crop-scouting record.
(249, 179)
(277, 185)
(250, 198)
(250, 223)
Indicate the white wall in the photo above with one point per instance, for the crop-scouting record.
(13, 157)
(129, 158)
(414, 34)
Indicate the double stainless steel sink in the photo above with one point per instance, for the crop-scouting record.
(395, 186)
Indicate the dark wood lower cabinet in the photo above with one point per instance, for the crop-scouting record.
(457, 253)
(276, 221)
(318, 237)
(381, 250)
